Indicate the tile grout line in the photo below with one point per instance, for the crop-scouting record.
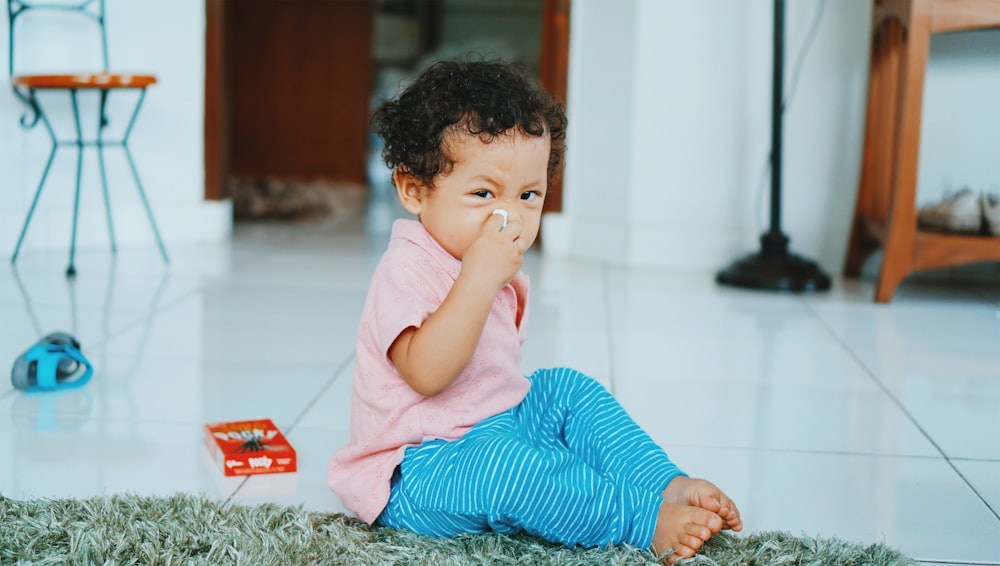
(336, 375)
(871, 375)
(146, 318)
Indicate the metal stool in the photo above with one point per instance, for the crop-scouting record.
(26, 88)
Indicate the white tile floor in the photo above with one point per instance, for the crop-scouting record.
(820, 414)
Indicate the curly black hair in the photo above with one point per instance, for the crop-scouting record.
(487, 98)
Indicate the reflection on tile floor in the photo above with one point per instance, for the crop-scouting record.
(822, 414)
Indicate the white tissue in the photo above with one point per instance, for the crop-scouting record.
(503, 213)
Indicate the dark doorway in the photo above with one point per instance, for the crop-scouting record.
(291, 80)
(289, 83)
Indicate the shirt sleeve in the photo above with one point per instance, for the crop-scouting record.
(521, 285)
(407, 288)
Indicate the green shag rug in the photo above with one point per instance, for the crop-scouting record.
(194, 530)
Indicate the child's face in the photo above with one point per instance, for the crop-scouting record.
(510, 173)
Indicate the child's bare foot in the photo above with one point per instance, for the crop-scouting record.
(701, 493)
(684, 529)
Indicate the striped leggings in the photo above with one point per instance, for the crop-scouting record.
(567, 464)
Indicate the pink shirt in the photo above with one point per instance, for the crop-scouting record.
(410, 282)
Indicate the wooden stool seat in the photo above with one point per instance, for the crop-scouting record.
(84, 80)
(885, 214)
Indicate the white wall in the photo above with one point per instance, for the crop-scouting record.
(669, 104)
(961, 122)
(598, 175)
(161, 38)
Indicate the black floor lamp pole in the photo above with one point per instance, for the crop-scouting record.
(777, 118)
(774, 268)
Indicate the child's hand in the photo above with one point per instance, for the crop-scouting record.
(496, 255)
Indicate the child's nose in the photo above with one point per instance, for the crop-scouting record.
(512, 212)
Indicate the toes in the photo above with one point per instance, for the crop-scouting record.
(711, 503)
(685, 529)
(715, 523)
(692, 542)
(731, 515)
(680, 553)
(701, 532)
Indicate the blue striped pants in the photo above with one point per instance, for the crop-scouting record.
(567, 464)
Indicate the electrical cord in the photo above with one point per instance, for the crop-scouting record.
(807, 43)
(793, 84)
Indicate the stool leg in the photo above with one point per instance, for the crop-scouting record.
(71, 270)
(899, 257)
(102, 123)
(860, 243)
(39, 114)
(135, 175)
(34, 202)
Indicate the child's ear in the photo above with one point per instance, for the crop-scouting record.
(409, 190)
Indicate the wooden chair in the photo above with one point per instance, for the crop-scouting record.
(886, 214)
(26, 87)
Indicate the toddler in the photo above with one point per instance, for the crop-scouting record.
(447, 436)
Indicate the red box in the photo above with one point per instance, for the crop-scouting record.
(243, 448)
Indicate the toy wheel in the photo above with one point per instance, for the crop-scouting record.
(22, 376)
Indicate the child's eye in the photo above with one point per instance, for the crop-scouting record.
(530, 195)
(482, 193)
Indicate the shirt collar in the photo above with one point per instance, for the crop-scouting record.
(414, 232)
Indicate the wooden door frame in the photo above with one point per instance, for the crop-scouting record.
(553, 63)
(216, 124)
(554, 66)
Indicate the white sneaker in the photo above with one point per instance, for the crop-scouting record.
(957, 212)
(990, 204)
